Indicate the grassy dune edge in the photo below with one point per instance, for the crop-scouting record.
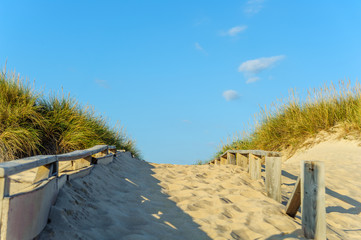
(288, 124)
(32, 124)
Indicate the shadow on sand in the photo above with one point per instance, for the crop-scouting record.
(121, 200)
(356, 209)
(166, 219)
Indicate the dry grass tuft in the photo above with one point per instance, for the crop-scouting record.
(288, 124)
(31, 124)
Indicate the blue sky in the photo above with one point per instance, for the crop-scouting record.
(181, 75)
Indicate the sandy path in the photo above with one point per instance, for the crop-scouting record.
(133, 199)
(118, 201)
(226, 203)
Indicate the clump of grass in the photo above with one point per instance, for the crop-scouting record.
(200, 162)
(31, 124)
(288, 124)
(20, 119)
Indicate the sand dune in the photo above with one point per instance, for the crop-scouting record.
(133, 199)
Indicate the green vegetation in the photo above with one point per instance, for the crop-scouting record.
(288, 124)
(200, 162)
(31, 124)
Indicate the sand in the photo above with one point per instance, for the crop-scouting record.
(134, 199)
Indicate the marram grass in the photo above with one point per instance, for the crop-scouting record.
(31, 124)
(288, 124)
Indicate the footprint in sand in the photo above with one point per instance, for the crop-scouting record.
(225, 200)
(227, 214)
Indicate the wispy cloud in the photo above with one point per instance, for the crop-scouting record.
(252, 79)
(102, 83)
(234, 31)
(186, 121)
(257, 65)
(253, 6)
(200, 48)
(201, 21)
(230, 95)
(251, 67)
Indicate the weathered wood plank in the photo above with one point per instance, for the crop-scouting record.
(44, 172)
(223, 160)
(231, 158)
(263, 160)
(273, 177)
(82, 153)
(81, 163)
(294, 202)
(242, 160)
(254, 152)
(313, 199)
(112, 147)
(254, 167)
(105, 159)
(16, 166)
(4, 192)
(26, 214)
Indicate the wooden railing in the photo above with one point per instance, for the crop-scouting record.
(309, 190)
(25, 206)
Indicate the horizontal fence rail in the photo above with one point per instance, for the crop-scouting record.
(308, 193)
(25, 206)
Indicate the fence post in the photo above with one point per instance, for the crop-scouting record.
(242, 161)
(273, 178)
(313, 199)
(223, 160)
(254, 167)
(4, 192)
(231, 158)
(294, 202)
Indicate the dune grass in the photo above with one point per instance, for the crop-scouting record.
(31, 124)
(288, 124)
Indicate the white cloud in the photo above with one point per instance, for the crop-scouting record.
(230, 95)
(235, 30)
(102, 83)
(253, 6)
(198, 47)
(257, 65)
(186, 121)
(252, 79)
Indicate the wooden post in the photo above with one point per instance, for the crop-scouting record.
(273, 177)
(294, 202)
(4, 192)
(263, 160)
(231, 158)
(313, 199)
(254, 167)
(223, 160)
(242, 161)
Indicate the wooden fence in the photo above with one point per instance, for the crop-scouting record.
(309, 190)
(25, 205)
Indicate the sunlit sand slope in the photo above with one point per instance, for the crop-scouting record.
(118, 201)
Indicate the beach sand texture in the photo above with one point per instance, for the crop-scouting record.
(134, 199)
